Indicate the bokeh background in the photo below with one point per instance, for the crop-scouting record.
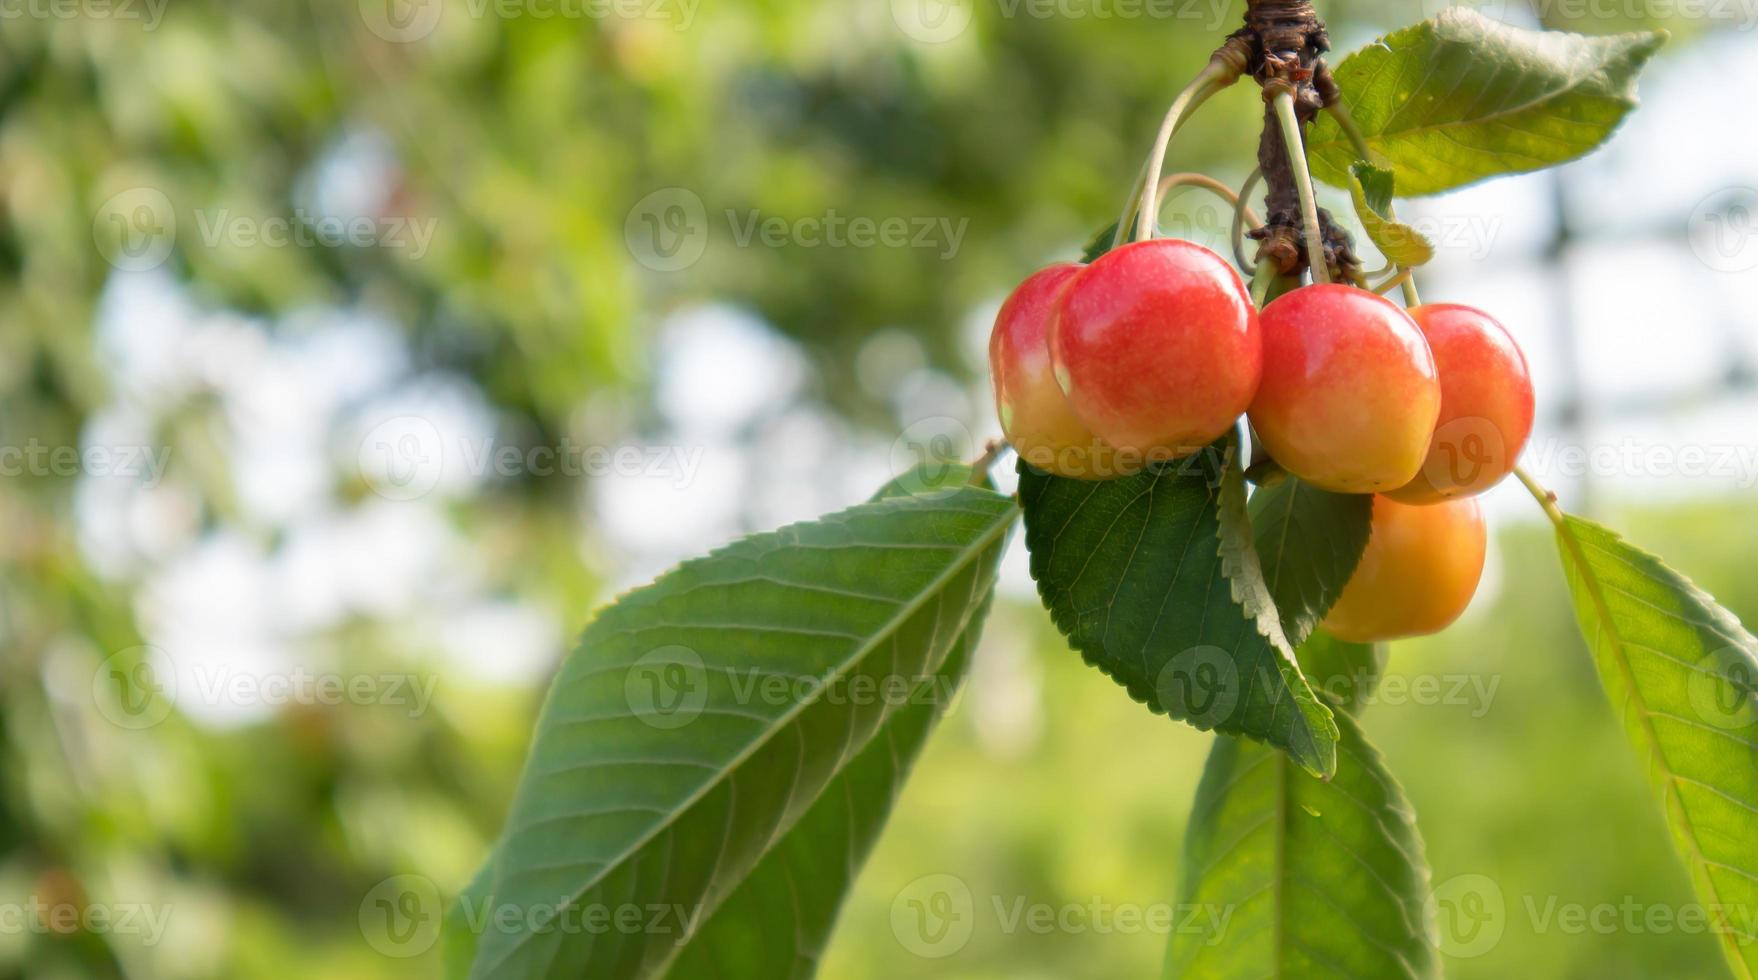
(351, 354)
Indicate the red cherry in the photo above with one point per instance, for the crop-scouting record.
(1156, 346)
(1349, 394)
(1486, 405)
(1034, 414)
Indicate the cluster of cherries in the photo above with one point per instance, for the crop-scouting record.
(1153, 351)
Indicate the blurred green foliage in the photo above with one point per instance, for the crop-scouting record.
(527, 142)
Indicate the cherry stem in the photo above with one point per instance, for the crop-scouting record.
(1340, 115)
(1262, 281)
(981, 465)
(1545, 498)
(1242, 213)
(1213, 78)
(1309, 220)
(1400, 279)
(1241, 207)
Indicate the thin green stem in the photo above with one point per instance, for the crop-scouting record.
(1545, 498)
(1210, 80)
(1121, 234)
(982, 464)
(1315, 240)
(1241, 211)
(1340, 115)
(1262, 281)
(1400, 279)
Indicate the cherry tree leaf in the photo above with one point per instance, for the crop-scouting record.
(1462, 98)
(1370, 187)
(702, 717)
(1154, 579)
(1285, 875)
(1683, 674)
(1308, 543)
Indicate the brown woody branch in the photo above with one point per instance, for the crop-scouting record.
(1287, 42)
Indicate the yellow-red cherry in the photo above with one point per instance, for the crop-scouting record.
(1486, 404)
(1349, 394)
(1156, 347)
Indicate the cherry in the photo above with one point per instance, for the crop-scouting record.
(1156, 346)
(1034, 414)
(1349, 394)
(1486, 404)
(1419, 571)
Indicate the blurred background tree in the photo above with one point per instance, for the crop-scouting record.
(307, 265)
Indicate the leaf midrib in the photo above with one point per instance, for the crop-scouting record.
(1670, 787)
(1004, 520)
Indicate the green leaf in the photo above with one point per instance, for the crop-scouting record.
(1308, 543)
(1300, 877)
(1461, 98)
(779, 919)
(1343, 673)
(700, 717)
(1099, 244)
(1683, 673)
(464, 924)
(1154, 580)
(1371, 189)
